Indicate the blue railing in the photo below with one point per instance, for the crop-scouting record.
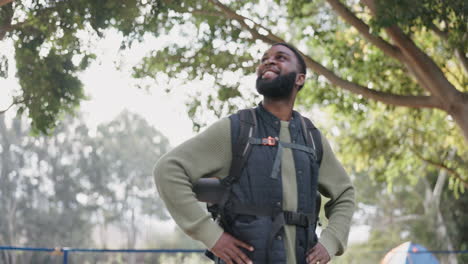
(64, 251)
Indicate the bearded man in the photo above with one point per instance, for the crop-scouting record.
(271, 162)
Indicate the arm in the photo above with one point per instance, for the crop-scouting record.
(206, 155)
(335, 184)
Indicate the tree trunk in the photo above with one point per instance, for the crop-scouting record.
(4, 2)
(459, 112)
(11, 228)
(432, 211)
(5, 191)
(103, 234)
(132, 238)
(442, 233)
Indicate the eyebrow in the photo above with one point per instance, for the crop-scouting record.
(279, 52)
(284, 53)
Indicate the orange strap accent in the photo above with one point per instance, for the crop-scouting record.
(269, 141)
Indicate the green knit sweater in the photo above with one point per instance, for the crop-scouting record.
(209, 155)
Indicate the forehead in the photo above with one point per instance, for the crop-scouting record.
(279, 49)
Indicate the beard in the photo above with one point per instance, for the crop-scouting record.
(280, 87)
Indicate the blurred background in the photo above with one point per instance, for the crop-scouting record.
(93, 93)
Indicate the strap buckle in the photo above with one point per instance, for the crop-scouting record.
(213, 209)
(269, 141)
(298, 219)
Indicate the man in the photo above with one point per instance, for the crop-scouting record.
(283, 174)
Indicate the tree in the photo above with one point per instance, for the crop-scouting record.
(396, 32)
(368, 59)
(393, 73)
(227, 29)
(129, 148)
(49, 51)
(40, 190)
(406, 59)
(57, 189)
(392, 31)
(403, 160)
(408, 213)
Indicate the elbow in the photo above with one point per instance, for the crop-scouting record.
(349, 198)
(351, 195)
(158, 171)
(344, 201)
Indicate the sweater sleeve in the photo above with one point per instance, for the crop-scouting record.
(206, 155)
(335, 184)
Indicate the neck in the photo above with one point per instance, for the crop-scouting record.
(281, 108)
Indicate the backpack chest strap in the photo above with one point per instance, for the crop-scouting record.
(281, 145)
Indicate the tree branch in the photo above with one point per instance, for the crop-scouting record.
(440, 182)
(427, 201)
(8, 108)
(9, 28)
(4, 2)
(457, 78)
(425, 69)
(6, 19)
(205, 13)
(463, 59)
(388, 98)
(452, 171)
(416, 101)
(371, 5)
(420, 78)
(11, 105)
(459, 53)
(268, 38)
(441, 34)
(400, 56)
(45, 12)
(439, 187)
(364, 29)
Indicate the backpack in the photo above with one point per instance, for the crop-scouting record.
(240, 154)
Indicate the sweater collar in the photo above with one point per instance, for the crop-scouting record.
(275, 121)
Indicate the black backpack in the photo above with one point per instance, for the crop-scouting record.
(210, 190)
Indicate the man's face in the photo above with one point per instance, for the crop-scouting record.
(277, 72)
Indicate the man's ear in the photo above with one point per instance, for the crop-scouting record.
(300, 79)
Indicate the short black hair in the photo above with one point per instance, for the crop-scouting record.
(300, 59)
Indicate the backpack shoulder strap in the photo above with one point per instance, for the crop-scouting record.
(243, 126)
(312, 137)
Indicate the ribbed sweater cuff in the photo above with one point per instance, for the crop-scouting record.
(208, 233)
(330, 242)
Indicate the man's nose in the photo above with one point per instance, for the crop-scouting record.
(269, 61)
